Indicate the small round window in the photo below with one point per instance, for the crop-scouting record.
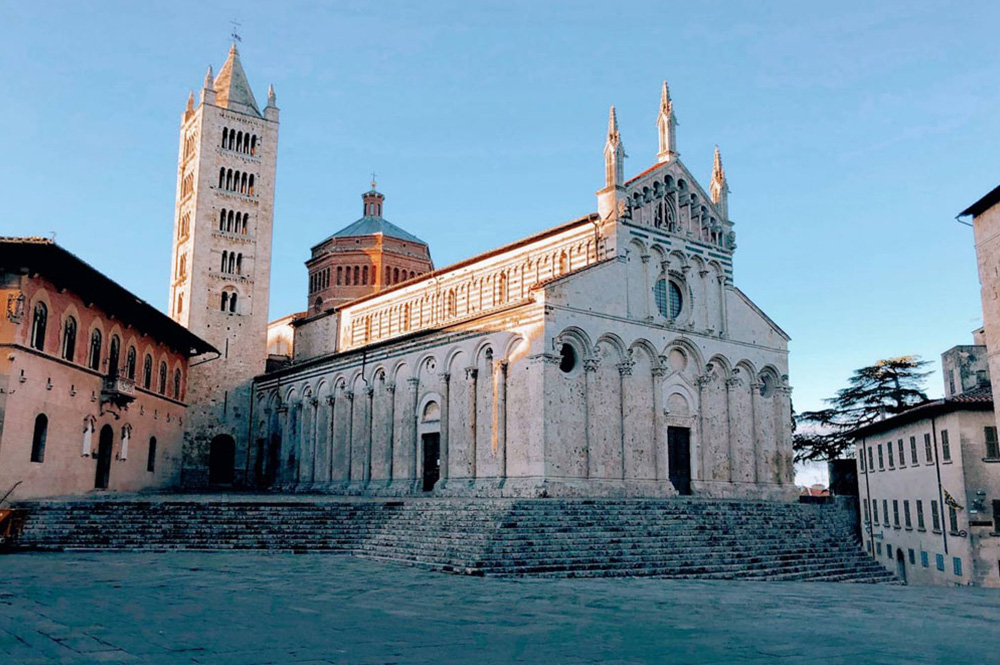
(567, 358)
(669, 299)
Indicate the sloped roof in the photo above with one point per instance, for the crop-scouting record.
(40, 255)
(232, 90)
(369, 226)
(977, 399)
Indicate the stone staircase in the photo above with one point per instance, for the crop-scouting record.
(677, 538)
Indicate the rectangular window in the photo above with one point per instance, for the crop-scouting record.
(881, 461)
(935, 517)
(895, 513)
(913, 557)
(902, 457)
(878, 548)
(871, 463)
(892, 463)
(992, 445)
(945, 447)
(151, 458)
(924, 559)
(957, 565)
(885, 512)
(939, 560)
(952, 519)
(920, 515)
(996, 515)
(875, 511)
(868, 546)
(867, 509)
(906, 515)
(928, 449)
(861, 458)
(888, 551)
(913, 450)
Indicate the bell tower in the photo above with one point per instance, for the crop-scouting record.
(221, 264)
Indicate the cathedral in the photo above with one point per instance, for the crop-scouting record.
(609, 355)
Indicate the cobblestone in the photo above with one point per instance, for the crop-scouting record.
(253, 608)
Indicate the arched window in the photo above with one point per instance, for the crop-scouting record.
(222, 178)
(253, 145)
(232, 139)
(38, 438)
(130, 363)
(246, 215)
(388, 275)
(69, 339)
(232, 262)
(222, 220)
(182, 267)
(180, 303)
(452, 303)
(39, 320)
(229, 180)
(364, 275)
(357, 274)
(113, 355)
(225, 136)
(395, 275)
(94, 361)
(239, 264)
(225, 261)
(151, 457)
(243, 184)
(340, 275)
(163, 378)
(502, 288)
(239, 141)
(147, 371)
(225, 301)
(229, 222)
(177, 384)
(232, 303)
(250, 188)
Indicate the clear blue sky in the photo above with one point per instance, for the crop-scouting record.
(851, 137)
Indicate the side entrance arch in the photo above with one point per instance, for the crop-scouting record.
(900, 564)
(221, 460)
(103, 475)
(430, 444)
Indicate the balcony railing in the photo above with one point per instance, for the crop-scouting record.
(119, 390)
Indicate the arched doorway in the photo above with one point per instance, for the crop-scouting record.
(430, 440)
(900, 564)
(104, 446)
(221, 460)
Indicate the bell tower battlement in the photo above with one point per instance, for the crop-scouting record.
(221, 263)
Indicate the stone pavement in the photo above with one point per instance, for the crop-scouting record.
(249, 609)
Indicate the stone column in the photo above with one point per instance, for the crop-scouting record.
(783, 430)
(314, 403)
(723, 314)
(331, 401)
(500, 427)
(445, 399)
(704, 301)
(659, 422)
(649, 301)
(590, 366)
(367, 475)
(703, 472)
(414, 384)
(624, 369)
(391, 388)
(472, 375)
(732, 383)
(350, 434)
(282, 426)
(755, 414)
(297, 445)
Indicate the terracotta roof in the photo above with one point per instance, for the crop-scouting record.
(977, 399)
(66, 270)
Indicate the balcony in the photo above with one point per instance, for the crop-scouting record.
(118, 390)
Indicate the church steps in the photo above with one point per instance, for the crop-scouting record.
(554, 537)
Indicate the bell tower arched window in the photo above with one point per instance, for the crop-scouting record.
(69, 339)
(39, 320)
(95, 351)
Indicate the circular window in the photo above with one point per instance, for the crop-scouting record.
(567, 358)
(767, 385)
(669, 299)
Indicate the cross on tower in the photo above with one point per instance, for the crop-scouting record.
(374, 184)
(236, 35)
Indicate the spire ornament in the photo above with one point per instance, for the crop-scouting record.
(719, 188)
(209, 79)
(614, 171)
(271, 98)
(666, 124)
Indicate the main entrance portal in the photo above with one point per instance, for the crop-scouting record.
(679, 458)
(221, 460)
(432, 460)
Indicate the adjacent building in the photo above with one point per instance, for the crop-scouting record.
(93, 380)
(610, 355)
(929, 481)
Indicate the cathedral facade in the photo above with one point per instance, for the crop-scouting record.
(611, 355)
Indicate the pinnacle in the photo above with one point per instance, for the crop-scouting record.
(612, 123)
(664, 96)
(718, 173)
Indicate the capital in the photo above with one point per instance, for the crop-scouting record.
(349, 395)
(591, 364)
(471, 373)
(313, 401)
(413, 382)
(625, 368)
(330, 399)
(659, 371)
(446, 376)
(391, 387)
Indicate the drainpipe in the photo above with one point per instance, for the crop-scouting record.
(937, 468)
(868, 491)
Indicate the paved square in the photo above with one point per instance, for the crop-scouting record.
(251, 609)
